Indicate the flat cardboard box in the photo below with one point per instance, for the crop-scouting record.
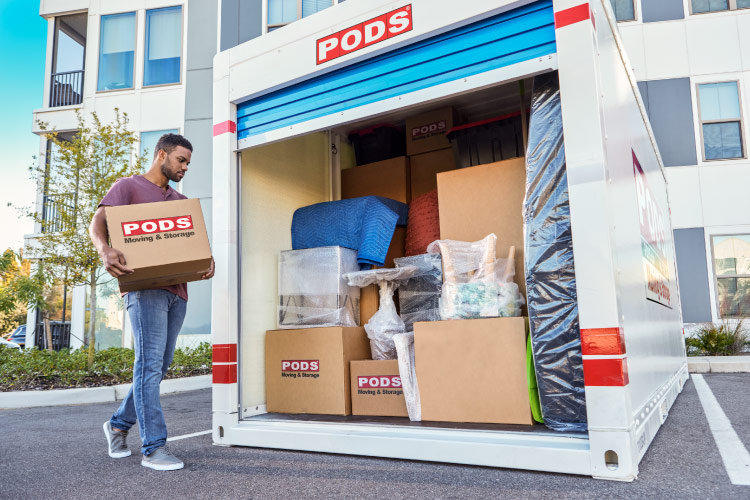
(165, 243)
(387, 178)
(476, 201)
(473, 370)
(377, 389)
(369, 298)
(426, 166)
(307, 370)
(426, 132)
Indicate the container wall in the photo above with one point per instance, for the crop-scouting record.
(276, 180)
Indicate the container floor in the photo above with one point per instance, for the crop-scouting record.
(405, 422)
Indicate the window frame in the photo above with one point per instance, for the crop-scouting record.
(182, 45)
(636, 17)
(701, 122)
(732, 6)
(267, 27)
(723, 276)
(99, 51)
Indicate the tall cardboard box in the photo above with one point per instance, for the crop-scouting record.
(476, 201)
(387, 178)
(377, 389)
(426, 132)
(307, 370)
(164, 243)
(473, 370)
(426, 166)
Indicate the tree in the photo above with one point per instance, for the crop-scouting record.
(12, 311)
(76, 178)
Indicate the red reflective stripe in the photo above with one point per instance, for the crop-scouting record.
(572, 15)
(224, 353)
(225, 374)
(602, 341)
(224, 127)
(605, 372)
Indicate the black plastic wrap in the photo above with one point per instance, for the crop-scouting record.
(550, 270)
(419, 296)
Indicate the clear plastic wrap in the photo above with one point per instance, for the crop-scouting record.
(385, 323)
(550, 270)
(475, 283)
(419, 296)
(312, 291)
(407, 370)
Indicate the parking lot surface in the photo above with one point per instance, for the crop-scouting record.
(60, 452)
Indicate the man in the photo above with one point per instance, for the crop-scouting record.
(156, 315)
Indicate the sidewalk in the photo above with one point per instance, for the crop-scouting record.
(60, 397)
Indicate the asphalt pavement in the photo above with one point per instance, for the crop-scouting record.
(60, 452)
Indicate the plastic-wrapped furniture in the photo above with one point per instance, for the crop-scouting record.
(419, 296)
(312, 292)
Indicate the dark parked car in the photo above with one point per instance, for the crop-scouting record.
(18, 336)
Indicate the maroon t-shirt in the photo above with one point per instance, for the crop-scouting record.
(138, 189)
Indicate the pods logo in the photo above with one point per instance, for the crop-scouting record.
(364, 34)
(309, 365)
(379, 382)
(152, 226)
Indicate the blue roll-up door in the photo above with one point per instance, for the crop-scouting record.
(512, 37)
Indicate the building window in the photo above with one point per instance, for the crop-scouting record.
(116, 51)
(721, 121)
(732, 269)
(624, 10)
(704, 6)
(163, 46)
(283, 12)
(66, 85)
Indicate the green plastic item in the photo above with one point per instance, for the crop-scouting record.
(536, 408)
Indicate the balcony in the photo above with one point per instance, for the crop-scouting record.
(66, 89)
(52, 215)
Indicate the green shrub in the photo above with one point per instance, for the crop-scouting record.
(42, 369)
(725, 339)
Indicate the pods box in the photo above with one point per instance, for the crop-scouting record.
(426, 132)
(473, 370)
(377, 389)
(165, 243)
(307, 370)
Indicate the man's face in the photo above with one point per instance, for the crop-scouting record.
(175, 163)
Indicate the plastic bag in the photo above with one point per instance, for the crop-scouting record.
(419, 296)
(476, 284)
(385, 323)
(406, 368)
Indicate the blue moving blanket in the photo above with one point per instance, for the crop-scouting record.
(363, 224)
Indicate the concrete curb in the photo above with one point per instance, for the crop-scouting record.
(109, 394)
(719, 364)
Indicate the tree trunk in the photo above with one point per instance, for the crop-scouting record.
(48, 331)
(92, 321)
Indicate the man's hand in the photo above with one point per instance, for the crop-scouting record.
(114, 262)
(210, 273)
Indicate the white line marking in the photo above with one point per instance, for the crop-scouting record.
(735, 456)
(185, 436)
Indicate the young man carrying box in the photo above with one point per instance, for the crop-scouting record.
(155, 314)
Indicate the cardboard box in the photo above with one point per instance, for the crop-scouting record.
(369, 299)
(426, 166)
(426, 132)
(473, 370)
(476, 201)
(307, 370)
(387, 178)
(377, 389)
(165, 243)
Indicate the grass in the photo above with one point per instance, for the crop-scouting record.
(724, 339)
(35, 369)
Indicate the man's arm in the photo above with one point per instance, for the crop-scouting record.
(113, 259)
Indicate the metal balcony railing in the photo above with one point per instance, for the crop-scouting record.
(66, 88)
(52, 219)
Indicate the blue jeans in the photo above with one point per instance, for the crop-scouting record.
(156, 317)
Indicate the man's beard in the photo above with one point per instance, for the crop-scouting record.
(172, 176)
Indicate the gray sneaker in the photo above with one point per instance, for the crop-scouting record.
(116, 442)
(161, 459)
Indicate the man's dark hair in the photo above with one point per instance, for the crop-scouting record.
(168, 142)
